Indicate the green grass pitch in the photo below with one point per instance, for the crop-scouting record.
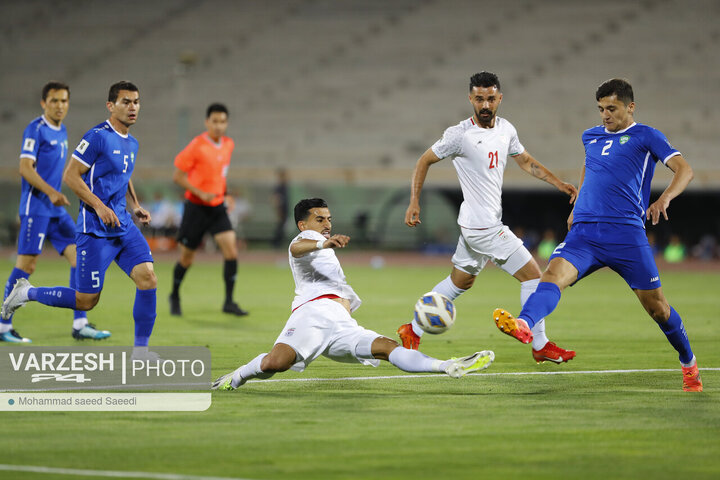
(491, 425)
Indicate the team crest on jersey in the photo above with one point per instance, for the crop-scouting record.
(289, 332)
(82, 146)
(29, 144)
(624, 139)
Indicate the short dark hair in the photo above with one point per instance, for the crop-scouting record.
(619, 87)
(216, 107)
(54, 86)
(485, 80)
(302, 209)
(116, 87)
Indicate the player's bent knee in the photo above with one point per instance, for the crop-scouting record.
(144, 277)
(86, 301)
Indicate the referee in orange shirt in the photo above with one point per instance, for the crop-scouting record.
(201, 169)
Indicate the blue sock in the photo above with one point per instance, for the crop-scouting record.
(144, 313)
(14, 276)
(541, 303)
(674, 330)
(73, 284)
(62, 297)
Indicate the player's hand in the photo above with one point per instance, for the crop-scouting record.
(569, 189)
(570, 220)
(142, 215)
(658, 207)
(206, 197)
(107, 216)
(58, 199)
(412, 215)
(336, 241)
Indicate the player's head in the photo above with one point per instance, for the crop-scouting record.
(616, 104)
(216, 120)
(55, 101)
(485, 97)
(124, 102)
(313, 214)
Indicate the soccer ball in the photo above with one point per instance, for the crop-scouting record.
(435, 313)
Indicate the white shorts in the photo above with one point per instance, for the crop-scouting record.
(497, 244)
(324, 327)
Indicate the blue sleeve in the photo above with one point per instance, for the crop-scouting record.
(88, 149)
(659, 146)
(31, 141)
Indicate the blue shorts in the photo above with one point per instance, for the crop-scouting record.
(35, 229)
(623, 248)
(95, 254)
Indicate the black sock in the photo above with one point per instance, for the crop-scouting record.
(229, 272)
(178, 274)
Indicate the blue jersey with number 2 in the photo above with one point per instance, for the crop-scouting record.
(619, 167)
(110, 157)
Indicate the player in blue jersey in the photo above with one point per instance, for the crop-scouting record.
(607, 225)
(42, 213)
(100, 176)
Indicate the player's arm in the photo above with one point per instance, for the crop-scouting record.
(412, 214)
(142, 214)
(529, 164)
(304, 246)
(181, 178)
(570, 217)
(28, 172)
(73, 179)
(683, 174)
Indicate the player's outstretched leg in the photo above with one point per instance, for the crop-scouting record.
(542, 348)
(413, 361)
(509, 325)
(237, 378)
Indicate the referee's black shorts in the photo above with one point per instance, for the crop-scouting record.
(198, 219)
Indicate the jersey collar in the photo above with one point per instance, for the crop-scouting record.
(620, 131)
(53, 127)
(113, 129)
(213, 142)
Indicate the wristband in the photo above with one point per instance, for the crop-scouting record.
(320, 244)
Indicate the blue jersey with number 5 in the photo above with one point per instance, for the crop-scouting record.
(110, 157)
(619, 167)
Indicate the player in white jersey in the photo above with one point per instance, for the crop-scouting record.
(480, 147)
(321, 321)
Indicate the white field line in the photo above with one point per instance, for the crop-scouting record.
(108, 473)
(400, 377)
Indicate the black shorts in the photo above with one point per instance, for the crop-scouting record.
(198, 219)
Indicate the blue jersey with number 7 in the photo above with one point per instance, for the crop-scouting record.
(619, 167)
(110, 156)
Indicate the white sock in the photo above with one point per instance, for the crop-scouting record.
(447, 288)
(691, 363)
(538, 330)
(414, 361)
(250, 370)
(79, 323)
(5, 327)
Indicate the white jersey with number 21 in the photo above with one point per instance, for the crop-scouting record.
(479, 156)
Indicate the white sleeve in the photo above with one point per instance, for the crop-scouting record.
(450, 143)
(310, 235)
(515, 148)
